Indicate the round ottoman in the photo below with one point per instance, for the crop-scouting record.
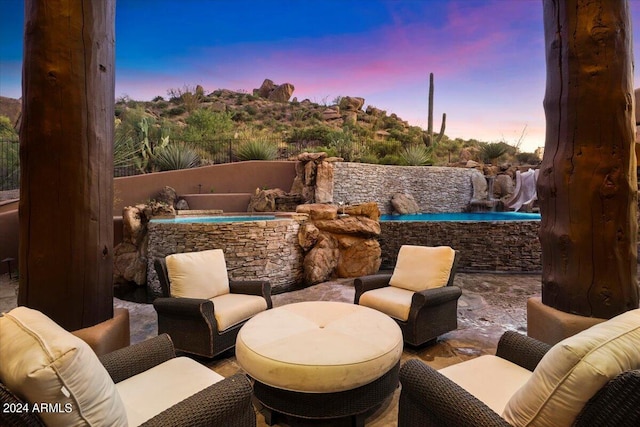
(321, 359)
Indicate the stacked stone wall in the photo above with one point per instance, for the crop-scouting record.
(509, 246)
(435, 189)
(254, 250)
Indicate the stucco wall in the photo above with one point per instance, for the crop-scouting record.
(485, 246)
(241, 177)
(435, 189)
(266, 250)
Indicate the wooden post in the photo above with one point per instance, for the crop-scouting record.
(66, 155)
(587, 186)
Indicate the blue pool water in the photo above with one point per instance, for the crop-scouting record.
(465, 216)
(214, 219)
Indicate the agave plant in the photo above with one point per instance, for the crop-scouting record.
(416, 155)
(493, 150)
(257, 149)
(176, 156)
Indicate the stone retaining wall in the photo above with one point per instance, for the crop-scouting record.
(435, 189)
(486, 246)
(266, 250)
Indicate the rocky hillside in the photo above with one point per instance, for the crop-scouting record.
(274, 107)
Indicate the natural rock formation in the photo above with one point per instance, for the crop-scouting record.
(182, 205)
(130, 255)
(503, 187)
(404, 204)
(349, 103)
(314, 177)
(168, 196)
(264, 200)
(273, 92)
(332, 113)
(339, 245)
(282, 93)
(129, 261)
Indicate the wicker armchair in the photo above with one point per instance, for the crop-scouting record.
(429, 398)
(192, 323)
(431, 312)
(227, 402)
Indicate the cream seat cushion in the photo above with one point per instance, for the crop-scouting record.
(42, 363)
(231, 309)
(147, 394)
(198, 274)
(420, 267)
(319, 346)
(491, 379)
(573, 370)
(394, 302)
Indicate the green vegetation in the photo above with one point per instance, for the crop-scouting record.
(176, 156)
(257, 149)
(416, 155)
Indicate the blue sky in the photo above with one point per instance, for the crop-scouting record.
(487, 55)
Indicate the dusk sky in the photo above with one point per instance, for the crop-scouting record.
(487, 55)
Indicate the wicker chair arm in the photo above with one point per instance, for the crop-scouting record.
(428, 398)
(435, 297)
(227, 403)
(261, 288)
(521, 349)
(194, 307)
(368, 283)
(129, 361)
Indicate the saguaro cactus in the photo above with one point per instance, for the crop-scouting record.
(428, 137)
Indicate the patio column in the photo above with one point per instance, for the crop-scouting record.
(66, 156)
(587, 186)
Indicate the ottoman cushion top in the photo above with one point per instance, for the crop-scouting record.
(319, 346)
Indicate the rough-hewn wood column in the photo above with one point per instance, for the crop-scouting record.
(66, 224)
(587, 186)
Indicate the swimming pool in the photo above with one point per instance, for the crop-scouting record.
(212, 219)
(465, 216)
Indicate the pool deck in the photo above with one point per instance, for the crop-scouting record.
(490, 304)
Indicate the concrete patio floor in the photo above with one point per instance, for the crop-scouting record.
(490, 304)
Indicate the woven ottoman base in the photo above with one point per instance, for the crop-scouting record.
(349, 403)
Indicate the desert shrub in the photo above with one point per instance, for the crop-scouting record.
(205, 124)
(385, 148)
(416, 155)
(492, 151)
(390, 159)
(528, 158)
(6, 128)
(257, 149)
(176, 111)
(176, 156)
(157, 98)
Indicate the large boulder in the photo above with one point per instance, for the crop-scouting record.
(358, 225)
(404, 204)
(129, 256)
(308, 236)
(264, 200)
(361, 258)
(317, 211)
(321, 261)
(324, 182)
(265, 89)
(282, 93)
(368, 209)
(350, 103)
(168, 196)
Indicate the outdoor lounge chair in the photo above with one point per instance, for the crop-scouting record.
(200, 308)
(419, 295)
(589, 379)
(50, 377)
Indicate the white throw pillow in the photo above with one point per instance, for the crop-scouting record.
(574, 370)
(420, 267)
(49, 367)
(198, 274)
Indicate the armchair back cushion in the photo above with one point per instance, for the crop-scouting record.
(40, 362)
(420, 267)
(574, 370)
(198, 274)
